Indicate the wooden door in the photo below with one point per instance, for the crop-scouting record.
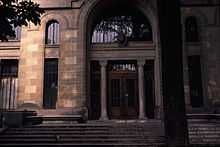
(123, 102)
(50, 83)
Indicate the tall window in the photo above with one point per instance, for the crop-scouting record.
(191, 29)
(195, 81)
(122, 20)
(8, 84)
(52, 32)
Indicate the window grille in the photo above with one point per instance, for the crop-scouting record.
(9, 84)
(125, 20)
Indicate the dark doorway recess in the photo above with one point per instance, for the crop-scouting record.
(95, 93)
(195, 81)
(149, 88)
(50, 83)
(122, 89)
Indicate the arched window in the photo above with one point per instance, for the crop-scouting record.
(17, 33)
(191, 29)
(122, 20)
(52, 32)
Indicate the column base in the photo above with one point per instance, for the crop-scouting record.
(103, 118)
(142, 117)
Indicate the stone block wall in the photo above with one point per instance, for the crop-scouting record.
(70, 58)
(208, 48)
(71, 53)
(31, 67)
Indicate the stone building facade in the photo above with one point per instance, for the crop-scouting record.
(64, 68)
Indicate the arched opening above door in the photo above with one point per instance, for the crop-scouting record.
(126, 20)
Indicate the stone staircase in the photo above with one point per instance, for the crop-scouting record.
(204, 130)
(93, 133)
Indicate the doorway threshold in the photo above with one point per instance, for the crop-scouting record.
(126, 121)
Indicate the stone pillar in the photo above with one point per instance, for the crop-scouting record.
(0, 72)
(0, 67)
(141, 85)
(103, 64)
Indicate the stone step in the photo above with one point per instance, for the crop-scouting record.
(86, 130)
(125, 132)
(78, 136)
(83, 145)
(204, 132)
(204, 129)
(86, 133)
(204, 125)
(82, 140)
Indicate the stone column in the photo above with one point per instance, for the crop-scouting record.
(0, 72)
(103, 64)
(141, 80)
(0, 67)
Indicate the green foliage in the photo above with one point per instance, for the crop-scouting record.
(15, 13)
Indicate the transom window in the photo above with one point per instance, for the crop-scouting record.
(127, 20)
(122, 66)
(52, 32)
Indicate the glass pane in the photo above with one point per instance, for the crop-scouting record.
(53, 30)
(130, 100)
(9, 68)
(122, 67)
(115, 92)
(127, 20)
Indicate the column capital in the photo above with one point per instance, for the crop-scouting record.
(103, 62)
(141, 62)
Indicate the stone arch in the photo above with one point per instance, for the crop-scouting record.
(61, 19)
(86, 16)
(55, 16)
(91, 9)
(63, 25)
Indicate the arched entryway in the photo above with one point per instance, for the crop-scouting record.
(121, 59)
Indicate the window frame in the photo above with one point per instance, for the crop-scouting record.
(116, 15)
(55, 33)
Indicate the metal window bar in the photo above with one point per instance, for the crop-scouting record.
(9, 84)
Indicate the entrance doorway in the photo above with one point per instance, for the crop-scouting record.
(123, 102)
(122, 89)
